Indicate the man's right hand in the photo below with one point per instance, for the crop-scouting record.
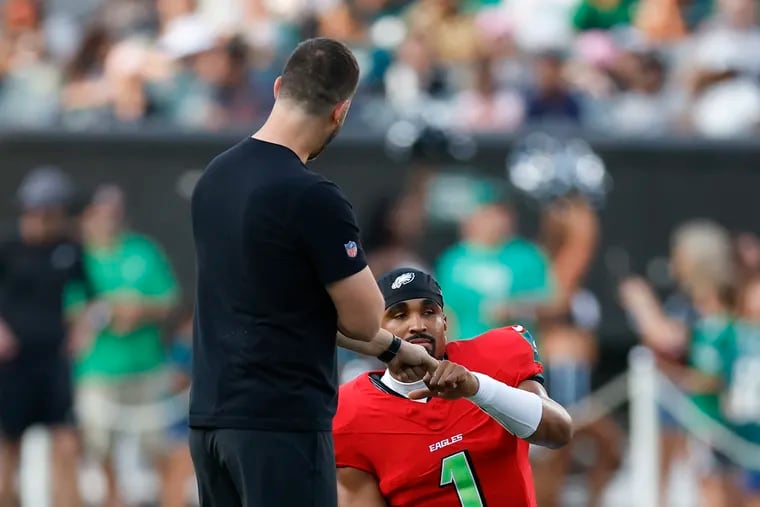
(638, 297)
(8, 343)
(412, 363)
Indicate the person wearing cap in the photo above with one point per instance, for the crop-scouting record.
(40, 266)
(493, 275)
(461, 436)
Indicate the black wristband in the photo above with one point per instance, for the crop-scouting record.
(391, 351)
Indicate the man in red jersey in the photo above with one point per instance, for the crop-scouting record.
(461, 437)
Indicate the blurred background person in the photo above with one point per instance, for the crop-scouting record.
(604, 14)
(691, 339)
(30, 78)
(747, 246)
(124, 362)
(487, 106)
(40, 261)
(415, 77)
(450, 30)
(550, 101)
(569, 236)
(493, 276)
(644, 105)
(741, 403)
(721, 71)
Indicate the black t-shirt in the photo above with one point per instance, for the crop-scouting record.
(269, 236)
(33, 278)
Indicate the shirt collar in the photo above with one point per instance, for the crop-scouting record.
(401, 388)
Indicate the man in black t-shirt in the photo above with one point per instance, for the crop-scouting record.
(38, 264)
(280, 272)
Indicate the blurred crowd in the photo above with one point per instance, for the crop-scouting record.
(91, 326)
(622, 67)
(95, 340)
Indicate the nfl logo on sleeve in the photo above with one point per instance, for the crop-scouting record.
(351, 249)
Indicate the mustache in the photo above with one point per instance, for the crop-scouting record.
(424, 336)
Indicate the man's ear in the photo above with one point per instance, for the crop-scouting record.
(277, 85)
(340, 112)
(445, 323)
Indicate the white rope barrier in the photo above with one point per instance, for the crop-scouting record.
(706, 429)
(600, 403)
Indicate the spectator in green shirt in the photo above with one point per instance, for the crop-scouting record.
(604, 14)
(492, 277)
(694, 350)
(741, 402)
(709, 357)
(124, 362)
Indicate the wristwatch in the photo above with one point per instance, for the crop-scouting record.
(391, 351)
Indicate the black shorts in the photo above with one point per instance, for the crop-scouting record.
(250, 468)
(35, 392)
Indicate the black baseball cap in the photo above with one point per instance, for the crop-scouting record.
(45, 186)
(403, 284)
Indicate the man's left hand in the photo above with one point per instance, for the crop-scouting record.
(126, 317)
(450, 381)
(412, 363)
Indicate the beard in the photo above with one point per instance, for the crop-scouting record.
(427, 341)
(329, 139)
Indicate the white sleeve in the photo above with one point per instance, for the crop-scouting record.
(518, 411)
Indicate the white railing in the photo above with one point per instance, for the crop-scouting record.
(644, 437)
(650, 389)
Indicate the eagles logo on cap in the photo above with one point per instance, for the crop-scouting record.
(407, 283)
(402, 280)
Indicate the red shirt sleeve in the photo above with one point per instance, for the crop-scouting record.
(349, 439)
(508, 354)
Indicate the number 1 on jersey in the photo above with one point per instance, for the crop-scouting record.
(457, 469)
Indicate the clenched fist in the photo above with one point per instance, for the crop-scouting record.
(450, 381)
(412, 363)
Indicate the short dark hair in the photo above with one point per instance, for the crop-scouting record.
(319, 74)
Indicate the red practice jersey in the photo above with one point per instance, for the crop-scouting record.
(442, 453)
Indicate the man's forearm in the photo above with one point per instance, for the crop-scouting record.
(156, 311)
(524, 411)
(374, 347)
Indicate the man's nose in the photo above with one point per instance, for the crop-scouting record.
(417, 324)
